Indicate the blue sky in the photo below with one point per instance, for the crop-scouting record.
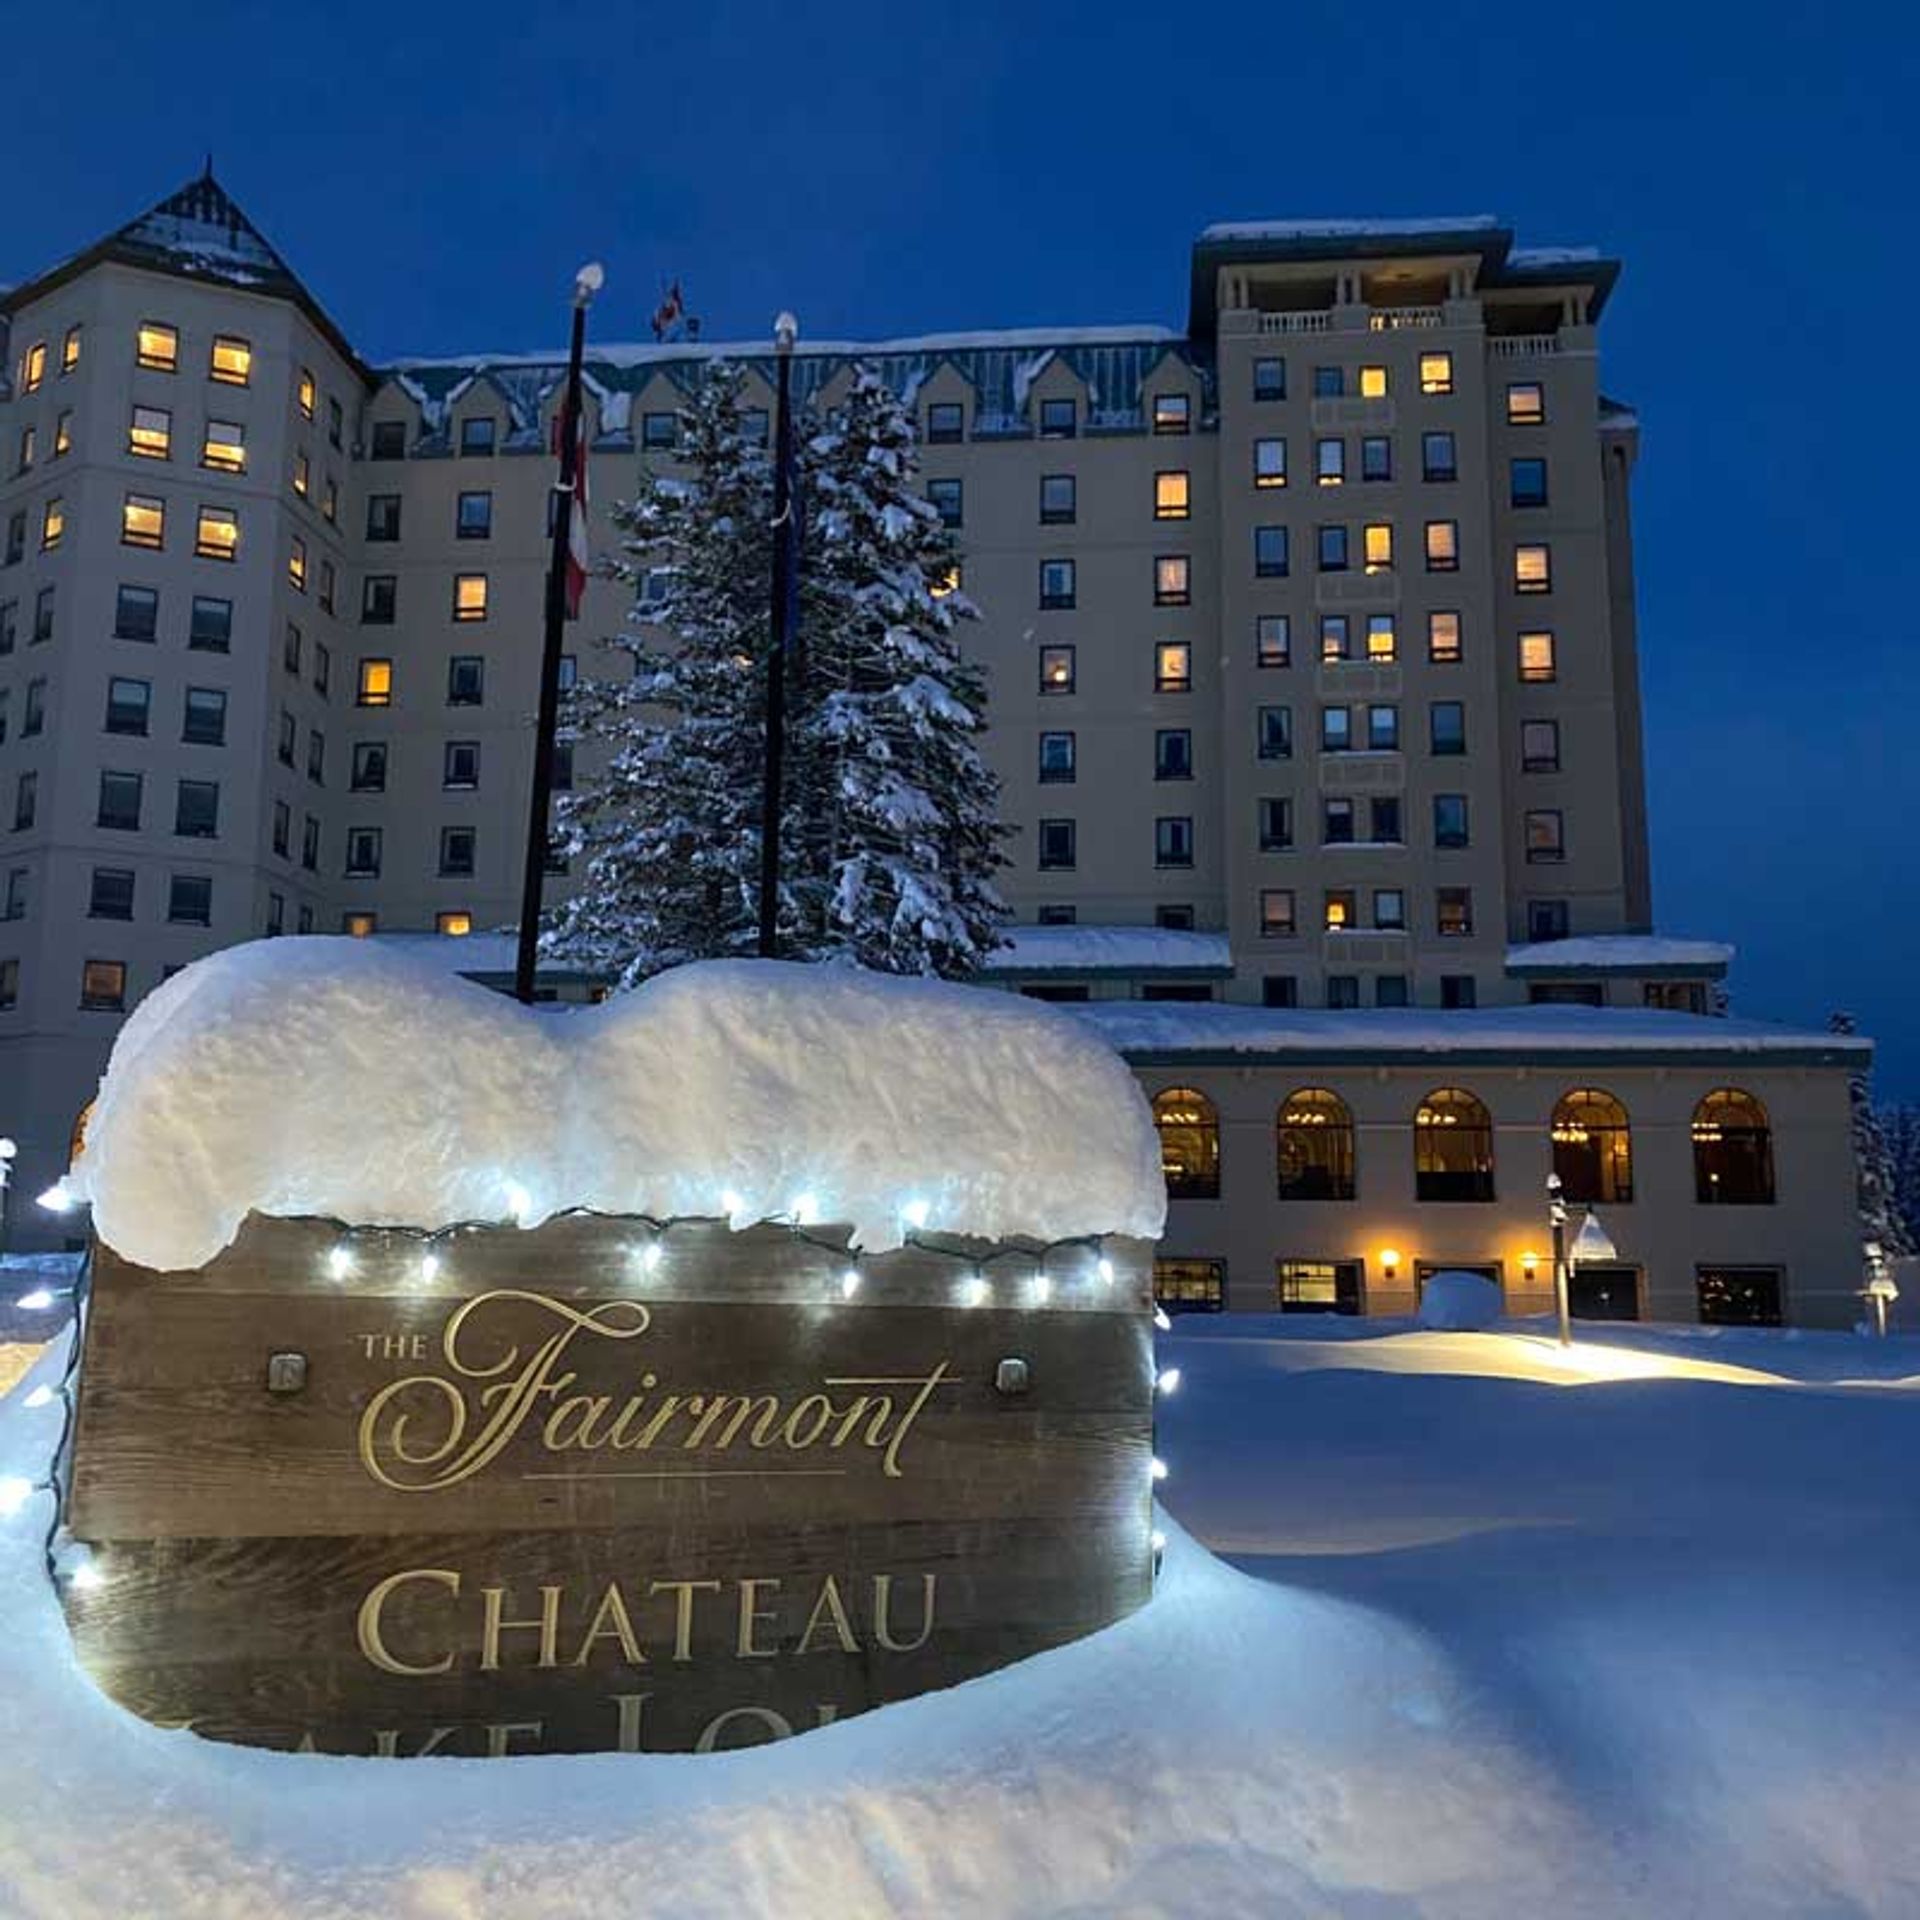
(436, 174)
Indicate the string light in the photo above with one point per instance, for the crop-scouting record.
(849, 1283)
(1105, 1271)
(41, 1396)
(1161, 1322)
(805, 1209)
(429, 1265)
(58, 1198)
(37, 1301)
(340, 1261)
(519, 1202)
(1168, 1381)
(15, 1492)
(1159, 1468)
(915, 1213)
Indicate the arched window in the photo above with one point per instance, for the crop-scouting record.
(1592, 1148)
(1315, 1138)
(1452, 1147)
(1732, 1150)
(1189, 1143)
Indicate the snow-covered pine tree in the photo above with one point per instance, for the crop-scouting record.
(663, 827)
(1882, 1223)
(1900, 1126)
(895, 831)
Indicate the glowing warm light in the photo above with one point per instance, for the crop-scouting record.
(1389, 1261)
(1530, 1264)
(14, 1493)
(38, 1301)
(1373, 383)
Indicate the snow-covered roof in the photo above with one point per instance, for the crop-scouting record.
(1523, 258)
(1621, 953)
(351, 1080)
(1353, 229)
(1178, 1030)
(1111, 950)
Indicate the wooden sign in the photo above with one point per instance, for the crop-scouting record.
(584, 1487)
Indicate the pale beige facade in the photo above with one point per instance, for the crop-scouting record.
(1309, 634)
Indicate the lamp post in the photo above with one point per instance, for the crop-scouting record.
(8, 1151)
(1880, 1290)
(1592, 1247)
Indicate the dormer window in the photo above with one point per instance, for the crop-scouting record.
(389, 440)
(1172, 412)
(476, 434)
(1059, 419)
(946, 423)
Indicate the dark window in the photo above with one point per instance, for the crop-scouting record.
(1057, 916)
(460, 764)
(1383, 729)
(1391, 990)
(1173, 841)
(1384, 820)
(128, 703)
(1269, 379)
(476, 435)
(947, 500)
(204, 720)
(1178, 919)
(111, 897)
(1056, 843)
(1272, 640)
(9, 624)
(1333, 549)
(1343, 991)
(466, 680)
(363, 851)
(379, 598)
(24, 795)
(1057, 584)
(16, 538)
(190, 900)
(1457, 991)
(1449, 819)
(119, 802)
(1172, 412)
(389, 440)
(946, 422)
(1056, 758)
(1056, 669)
(317, 756)
(1739, 1296)
(1438, 460)
(1059, 419)
(1452, 1147)
(456, 851)
(1276, 824)
(210, 625)
(473, 516)
(1329, 383)
(322, 669)
(1270, 553)
(282, 828)
(34, 715)
(1275, 733)
(383, 516)
(563, 766)
(1059, 499)
(289, 733)
(310, 844)
(1732, 1150)
(1447, 727)
(754, 424)
(1376, 457)
(1173, 754)
(1336, 730)
(1336, 822)
(1279, 990)
(659, 432)
(196, 809)
(1548, 920)
(1527, 482)
(136, 614)
(369, 773)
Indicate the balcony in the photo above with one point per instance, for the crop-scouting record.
(1377, 590)
(1394, 319)
(1368, 770)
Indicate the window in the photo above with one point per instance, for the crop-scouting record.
(1329, 383)
(231, 361)
(1380, 638)
(1056, 670)
(1189, 1129)
(1056, 584)
(1452, 1147)
(1527, 482)
(1536, 656)
(379, 599)
(289, 734)
(310, 844)
(363, 852)
(203, 721)
(196, 811)
(1526, 403)
(1453, 910)
(119, 805)
(1279, 990)
(1172, 494)
(16, 538)
(1443, 638)
(317, 757)
(1739, 1296)
(1057, 916)
(1172, 412)
(103, 986)
(1331, 545)
(1314, 1137)
(359, 926)
(1173, 667)
(1173, 841)
(1270, 463)
(1270, 553)
(53, 524)
(1548, 920)
(1732, 1150)
(1276, 824)
(9, 984)
(659, 432)
(217, 534)
(43, 606)
(33, 716)
(1329, 463)
(1275, 733)
(1443, 546)
(24, 797)
(456, 923)
(1377, 545)
(754, 423)
(1447, 727)
(1389, 909)
(111, 896)
(1340, 912)
(383, 515)
(1056, 843)
(190, 900)
(1592, 1148)
(1373, 383)
(150, 433)
(9, 625)
(1533, 569)
(1269, 379)
(389, 440)
(14, 905)
(329, 511)
(369, 768)
(25, 461)
(569, 672)
(1272, 640)
(322, 669)
(946, 423)
(1391, 990)
(466, 680)
(1457, 990)
(1056, 758)
(476, 434)
(302, 473)
(210, 625)
(128, 704)
(457, 852)
(1172, 580)
(1058, 499)
(157, 347)
(469, 596)
(1437, 459)
(1383, 820)
(1336, 730)
(1545, 835)
(1383, 729)
(1436, 373)
(1190, 1286)
(1336, 637)
(63, 432)
(1336, 822)
(33, 367)
(1318, 1286)
(1450, 820)
(945, 497)
(1540, 746)
(136, 613)
(1059, 419)
(303, 393)
(223, 447)
(1276, 913)
(375, 684)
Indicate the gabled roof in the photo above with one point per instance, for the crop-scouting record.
(198, 233)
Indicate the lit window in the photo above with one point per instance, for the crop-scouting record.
(143, 521)
(1330, 462)
(70, 350)
(1454, 911)
(469, 596)
(1341, 909)
(302, 474)
(231, 362)
(63, 433)
(1373, 383)
(1270, 463)
(217, 534)
(1443, 546)
(1536, 656)
(1173, 667)
(304, 393)
(1336, 637)
(1377, 546)
(375, 685)
(225, 447)
(1436, 373)
(1532, 569)
(1546, 835)
(1380, 636)
(358, 925)
(150, 433)
(1172, 412)
(1172, 580)
(1443, 637)
(103, 986)
(1276, 912)
(1452, 1147)
(1272, 640)
(457, 924)
(33, 367)
(157, 347)
(1058, 499)
(53, 524)
(1056, 670)
(297, 565)
(1171, 496)
(1526, 403)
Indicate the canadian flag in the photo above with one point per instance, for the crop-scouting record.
(578, 556)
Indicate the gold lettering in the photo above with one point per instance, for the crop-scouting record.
(789, 1433)
(386, 1743)
(683, 1590)
(494, 1624)
(631, 1706)
(882, 1625)
(611, 1618)
(368, 1627)
(751, 1614)
(777, 1727)
(596, 1406)
(743, 1405)
(651, 1431)
(830, 1605)
(891, 1464)
(501, 1733)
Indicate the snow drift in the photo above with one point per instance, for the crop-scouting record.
(325, 1076)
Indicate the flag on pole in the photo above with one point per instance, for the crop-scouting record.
(668, 312)
(578, 553)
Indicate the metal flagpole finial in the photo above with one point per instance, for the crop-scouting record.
(786, 330)
(588, 281)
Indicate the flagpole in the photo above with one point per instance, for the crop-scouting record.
(586, 283)
(785, 330)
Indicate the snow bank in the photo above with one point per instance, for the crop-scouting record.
(1454, 1302)
(329, 1077)
(1623, 952)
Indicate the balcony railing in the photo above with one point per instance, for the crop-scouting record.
(1295, 322)
(1517, 346)
(1392, 319)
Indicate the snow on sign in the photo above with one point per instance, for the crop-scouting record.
(627, 1480)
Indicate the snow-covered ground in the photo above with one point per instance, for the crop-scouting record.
(1497, 1632)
